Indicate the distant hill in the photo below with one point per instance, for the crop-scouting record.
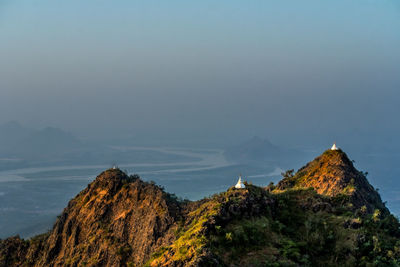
(258, 150)
(327, 214)
(47, 142)
(25, 144)
(11, 133)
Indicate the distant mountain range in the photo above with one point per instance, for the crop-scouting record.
(22, 147)
(19, 144)
(48, 142)
(11, 133)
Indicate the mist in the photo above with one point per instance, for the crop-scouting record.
(208, 72)
(189, 95)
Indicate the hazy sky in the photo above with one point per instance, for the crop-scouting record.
(203, 69)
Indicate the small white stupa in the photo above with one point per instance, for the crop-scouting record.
(334, 147)
(240, 183)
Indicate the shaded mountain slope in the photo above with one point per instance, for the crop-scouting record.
(119, 220)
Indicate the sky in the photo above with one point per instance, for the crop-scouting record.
(292, 71)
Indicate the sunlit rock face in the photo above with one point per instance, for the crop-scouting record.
(333, 174)
(327, 213)
(102, 225)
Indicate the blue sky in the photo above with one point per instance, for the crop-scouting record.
(204, 69)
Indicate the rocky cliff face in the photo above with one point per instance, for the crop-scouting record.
(333, 174)
(116, 220)
(119, 220)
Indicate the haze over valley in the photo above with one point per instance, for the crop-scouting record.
(164, 105)
(43, 169)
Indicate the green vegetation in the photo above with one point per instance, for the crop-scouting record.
(298, 235)
(327, 214)
(191, 239)
(298, 228)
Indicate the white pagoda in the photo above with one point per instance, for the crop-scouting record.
(334, 147)
(240, 184)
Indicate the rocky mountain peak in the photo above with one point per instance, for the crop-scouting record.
(110, 180)
(333, 174)
(121, 220)
(102, 225)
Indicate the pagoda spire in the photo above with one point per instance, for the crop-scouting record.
(334, 147)
(240, 184)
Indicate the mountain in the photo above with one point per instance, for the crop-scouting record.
(11, 133)
(120, 220)
(258, 150)
(333, 174)
(105, 221)
(24, 147)
(48, 142)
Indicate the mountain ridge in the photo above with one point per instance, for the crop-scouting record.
(120, 220)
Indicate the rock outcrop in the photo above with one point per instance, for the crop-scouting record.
(117, 220)
(333, 174)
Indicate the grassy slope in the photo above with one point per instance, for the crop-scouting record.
(291, 228)
(247, 227)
